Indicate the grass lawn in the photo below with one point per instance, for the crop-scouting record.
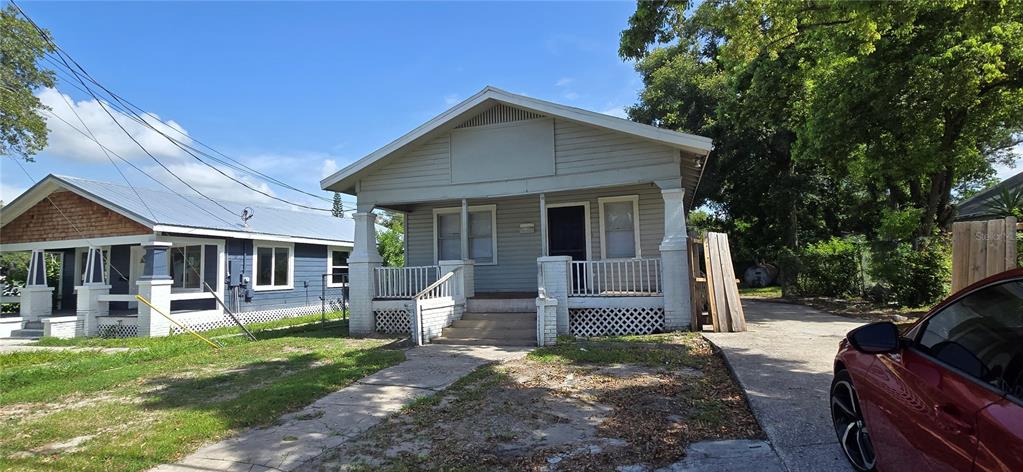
(163, 397)
(760, 292)
(583, 405)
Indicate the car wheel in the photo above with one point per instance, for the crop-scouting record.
(850, 426)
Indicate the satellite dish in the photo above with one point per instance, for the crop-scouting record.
(247, 214)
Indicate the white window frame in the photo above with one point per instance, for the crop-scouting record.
(331, 266)
(256, 245)
(635, 222)
(586, 209)
(184, 267)
(493, 230)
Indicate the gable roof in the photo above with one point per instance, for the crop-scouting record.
(975, 207)
(342, 180)
(192, 215)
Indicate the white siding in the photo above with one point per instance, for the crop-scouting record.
(429, 164)
(517, 252)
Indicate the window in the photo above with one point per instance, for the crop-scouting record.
(337, 267)
(482, 234)
(273, 265)
(981, 334)
(186, 267)
(619, 227)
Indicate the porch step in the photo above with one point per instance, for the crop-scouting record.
(27, 333)
(493, 341)
(491, 329)
(489, 332)
(34, 325)
(500, 305)
(499, 316)
(511, 323)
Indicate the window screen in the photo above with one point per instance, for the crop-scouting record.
(619, 230)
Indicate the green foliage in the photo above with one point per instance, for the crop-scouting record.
(22, 127)
(391, 241)
(14, 267)
(912, 276)
(1006, 203)
(898, 224)
(337, 209)
(830, 268)
(703, 221)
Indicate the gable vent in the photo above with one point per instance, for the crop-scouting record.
(499, 114)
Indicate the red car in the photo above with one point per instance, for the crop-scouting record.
(944, 395)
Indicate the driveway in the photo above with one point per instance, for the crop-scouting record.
(784, 363)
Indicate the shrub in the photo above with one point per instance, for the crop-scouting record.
(829, 268)
(912, 276)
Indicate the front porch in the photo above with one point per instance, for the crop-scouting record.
(608, 261)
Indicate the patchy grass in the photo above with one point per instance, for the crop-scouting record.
(131, 410)
(593, 404)
(760, 292)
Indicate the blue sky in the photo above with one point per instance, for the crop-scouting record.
(299, 89)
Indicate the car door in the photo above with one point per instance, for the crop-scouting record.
(1000, 436)
(922, 410)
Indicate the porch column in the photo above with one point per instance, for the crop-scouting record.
(362, 265)
(553, 275)
(155, 286)
(544, 250)
(674, 258)
(464, 233)
(36, 297)
(89, 306)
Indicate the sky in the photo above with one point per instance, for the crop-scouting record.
(299, 90)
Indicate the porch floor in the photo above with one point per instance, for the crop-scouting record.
(504, 295)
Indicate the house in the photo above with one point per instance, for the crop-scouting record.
(977, 206)
(111, 242)
(525, 219)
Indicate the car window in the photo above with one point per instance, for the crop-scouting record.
(981, 334)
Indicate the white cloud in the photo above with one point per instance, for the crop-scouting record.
(564, 81)
(65, 141)
(328, 168)
(618, 111)
(571, 95)
(213, 184)
(9, 192)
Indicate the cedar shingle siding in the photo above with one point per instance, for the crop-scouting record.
(43, 222)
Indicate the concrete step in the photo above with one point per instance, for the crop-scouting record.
(27, 333)
(500, 305)
(499, 316)
(491, 323)
(33, 325)
(530, 341)
(489, 332)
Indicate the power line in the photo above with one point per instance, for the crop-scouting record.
(61, 55)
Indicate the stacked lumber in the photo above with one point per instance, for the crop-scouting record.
(717, 287)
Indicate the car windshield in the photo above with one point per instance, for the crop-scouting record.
(982, 335)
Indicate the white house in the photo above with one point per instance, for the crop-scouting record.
(525, 219)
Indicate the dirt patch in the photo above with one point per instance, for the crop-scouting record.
(553, 414)
(30, 411)
(857, 309)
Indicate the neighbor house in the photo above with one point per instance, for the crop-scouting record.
(978, 207)
(525, 219)
(111, 242)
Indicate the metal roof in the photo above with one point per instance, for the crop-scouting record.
(169, 209)
(975, 207)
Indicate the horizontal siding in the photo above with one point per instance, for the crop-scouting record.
(517, 252)
(426, 165)
(580, 148)
(310, 265)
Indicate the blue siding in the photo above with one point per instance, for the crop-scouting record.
(120, 259)
(310, 265)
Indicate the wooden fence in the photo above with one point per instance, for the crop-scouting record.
(714, 285)
(981, 249)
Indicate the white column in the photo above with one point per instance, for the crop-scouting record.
(362, 265)
(544, 250)
(675, 260)
(155, 286)
(36, 297)
(464, 233)
(554, 277)
(89, 307)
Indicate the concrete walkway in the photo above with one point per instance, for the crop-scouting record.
(784, 363)
(332, 420)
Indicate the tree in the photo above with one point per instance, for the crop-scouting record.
(337, 210)
(391, 240)
(22, 127)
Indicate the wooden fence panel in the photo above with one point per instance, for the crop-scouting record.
(981, 249)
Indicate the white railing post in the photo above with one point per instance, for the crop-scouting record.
(557, 284)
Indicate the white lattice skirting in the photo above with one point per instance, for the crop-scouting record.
(392, 321)
(208, 322)
(615, 321)
(118, 331)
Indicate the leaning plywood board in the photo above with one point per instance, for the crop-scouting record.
(723, 292)
(736, 317)
(714, 289)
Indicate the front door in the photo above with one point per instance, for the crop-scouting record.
(566, 236)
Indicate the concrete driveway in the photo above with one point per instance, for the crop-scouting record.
(784, 363)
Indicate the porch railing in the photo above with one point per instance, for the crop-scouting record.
(444, 287)
(616, 278)
(404, 282)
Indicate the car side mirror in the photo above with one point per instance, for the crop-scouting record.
(875, 338)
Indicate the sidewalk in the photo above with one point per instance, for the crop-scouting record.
(784, 363)
(330, 421)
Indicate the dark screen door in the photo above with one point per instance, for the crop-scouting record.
(566, 232)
